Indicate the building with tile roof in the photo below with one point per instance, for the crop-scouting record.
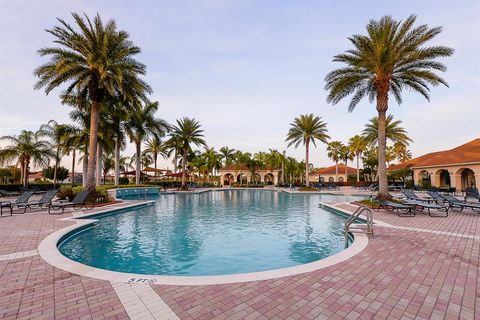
(458, 167)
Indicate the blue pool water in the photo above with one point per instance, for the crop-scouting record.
(213, 233)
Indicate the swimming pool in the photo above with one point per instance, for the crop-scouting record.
(213, 233)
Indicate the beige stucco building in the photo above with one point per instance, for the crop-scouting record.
(231, 174)
(329, 174)
(458, 167)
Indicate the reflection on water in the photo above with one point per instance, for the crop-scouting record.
(232, 231)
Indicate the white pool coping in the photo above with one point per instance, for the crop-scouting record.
(49, 252)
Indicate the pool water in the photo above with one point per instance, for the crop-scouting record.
(213, 233)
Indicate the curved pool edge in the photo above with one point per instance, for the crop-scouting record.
(49, 252)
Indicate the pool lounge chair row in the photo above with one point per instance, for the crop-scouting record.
(46, 200)
(408, 208)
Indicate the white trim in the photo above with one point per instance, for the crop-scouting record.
(49, 252)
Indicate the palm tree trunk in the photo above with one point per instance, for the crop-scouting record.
(184, 167)
(382, 105)
(138, 160)
(57, 155)
(175, 161)
(117, 161)
(98, 171)
(92, 145)
(155, 156)
(336, 171)
(85, 170)
(307, 178)
(25, 182)
(358, 168)
(73, 167)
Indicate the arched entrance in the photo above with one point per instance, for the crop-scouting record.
(228, 179)
(269, 179)
(444, 176)
(242, 178)
(331, 179)
(468, 179)
(340, 179)
(425, 180)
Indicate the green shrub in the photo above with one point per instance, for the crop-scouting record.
(66, 194)
(123, 180)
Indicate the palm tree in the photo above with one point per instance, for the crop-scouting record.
(186, 132)
(26, 148)
(391, 58)
(56, 133)
(401, 152)
(139, 125)
(72, 140)
(390, 155)
(241, 160)
(357, 145)
(155, 147)
(228, 155)
(97, 60)
(334, 152)
(346, 154)
(213, 161)
(305, 129)
(393, 131)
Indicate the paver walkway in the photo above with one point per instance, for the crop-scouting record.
(404, 273)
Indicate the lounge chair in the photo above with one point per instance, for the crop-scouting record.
(454, 202)
(4, 193)
(436, 197)
(443, 210)
(403, 210)
(472, 193)
(77, 203)
(23, 198)
(412, 196)
(46, 199)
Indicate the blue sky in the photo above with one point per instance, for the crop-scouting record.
(245, 69)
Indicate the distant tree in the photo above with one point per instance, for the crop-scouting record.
(334, 152)
(357, 145)
(60, 172)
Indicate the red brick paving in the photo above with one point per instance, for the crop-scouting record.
(402, 274)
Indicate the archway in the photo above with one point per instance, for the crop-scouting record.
(468, 179)
(341, 179)
(268, 179)
(331, 179)
(322, 179)
(444, 177)
(424, 179)
(228, 179)
(242, 178)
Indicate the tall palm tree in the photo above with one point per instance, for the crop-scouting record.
(72, 140)
(186, 132)
(241, 160)
(96, 59)
(139, 125)
(357, 145)
(305, 129)
(26, 148)
(392, 57)
(334, 152)
(156, 147)
(393, 131)
(213, 161)
(56, 133)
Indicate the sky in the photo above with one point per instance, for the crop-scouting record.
(245, 69)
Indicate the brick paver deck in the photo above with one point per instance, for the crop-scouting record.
(402, 274)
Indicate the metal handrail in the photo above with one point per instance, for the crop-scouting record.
(365, 228)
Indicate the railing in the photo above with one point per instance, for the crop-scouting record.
(350, 226)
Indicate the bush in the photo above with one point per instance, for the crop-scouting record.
(308, 189)
(34, 186)
(62, 173)
(66, 194)
(123, 180)
(99, 195)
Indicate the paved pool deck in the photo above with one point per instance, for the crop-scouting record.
(414, 268)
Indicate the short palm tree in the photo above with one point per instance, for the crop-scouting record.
(185, 133)
(401, 152)
(213, 161)
(393, 131)
(357, 145)
(241, 161)
(305, 129)
(334, 152)
(56, 133)
(96, 59)
(346, 154)
(140, 124)
(26, 148)
(392, 57)
(156, 147)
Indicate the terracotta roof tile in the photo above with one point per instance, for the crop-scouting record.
(331, 170)
(466, 153)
